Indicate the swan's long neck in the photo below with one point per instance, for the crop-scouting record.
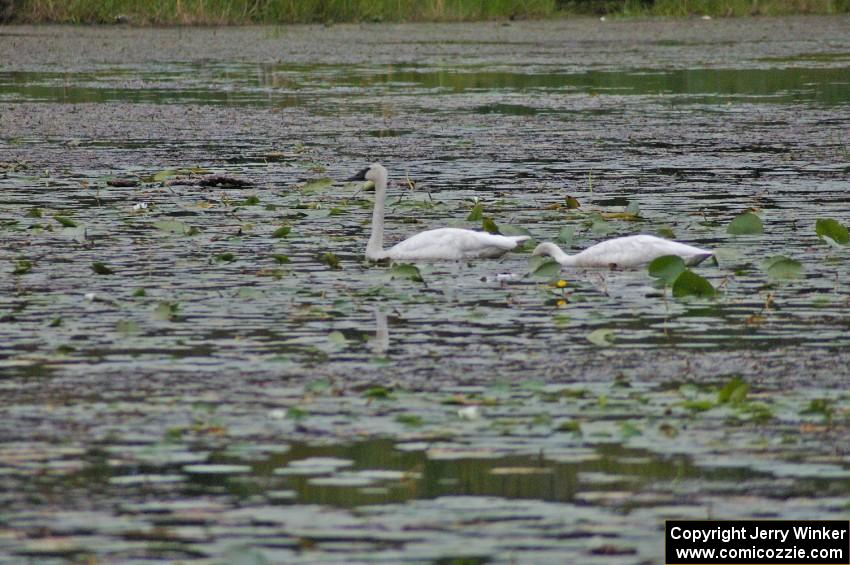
(375, 247)
(561, 257)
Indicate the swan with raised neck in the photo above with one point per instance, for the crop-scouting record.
(441, 244)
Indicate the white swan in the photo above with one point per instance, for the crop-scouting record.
(451, 244)
(626, 252)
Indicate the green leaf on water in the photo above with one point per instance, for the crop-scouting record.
(139, 292)
(22, 267)
(225, 257)
(510, 229)
(282, 231)
(780, 267)
(665, 231)
(55, 323)
(412, 420)
(251, 201)
(377, 392)
(666, 268)
(629, 430)
(688, 283)
(166, 311)
(330, 260)
(316, 185)
(602, 337)
(68, 223)
(733, 392)
(406, 271)
(566, 236)
(600, 226)
(295, 413)
(820, 406)
(827, 227)
(698, 405)
(127, 327)
(34, 213)
(281, 259)
(101, 269)
(337, 339)
(544, 267)
(745, 224)
(164, 175)
(569, 426)
(174, 227)
(489, 225)
(476, 214)
(572, 202)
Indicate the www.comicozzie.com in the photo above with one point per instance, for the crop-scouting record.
(758, 542)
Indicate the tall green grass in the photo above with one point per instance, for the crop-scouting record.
(278, 11)
(205, 12)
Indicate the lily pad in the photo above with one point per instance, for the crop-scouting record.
(544, 267)
(733, 392)
(330, 260)
(317, 185)
(101, 269)
(282, 231)
(827, 227)
(406, 271)
(745, 224)
(688, 283)
(488, 225)
(780, 267)
(602, 337)
(566, 236)
(214, 469)
(667, 268)
(66, 222)
(174, 227)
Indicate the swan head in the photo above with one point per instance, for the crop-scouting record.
(373, 172)
(547, 248)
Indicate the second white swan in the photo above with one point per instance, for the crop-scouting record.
(448, 244)
(626, 252)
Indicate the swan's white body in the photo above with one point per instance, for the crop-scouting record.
(442, 244)
(626, 252)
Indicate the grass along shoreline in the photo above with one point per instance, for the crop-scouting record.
(232, 12)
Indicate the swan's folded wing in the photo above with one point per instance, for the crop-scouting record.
(453, 243)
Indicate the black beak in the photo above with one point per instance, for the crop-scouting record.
(361, 175)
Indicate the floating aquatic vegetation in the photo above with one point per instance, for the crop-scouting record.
(101, 269)
(544, 267)
(66, 222)
(330, 260)
(690, 284)
(406, 271)
(829, 229)
(745, 224)
(175, 227)
(22, 267)
(316, 186)
(281, 232)
(602, 337)
(780, 267)
(488, 225)
(667, 268)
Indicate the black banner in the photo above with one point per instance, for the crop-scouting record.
(757, 542)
